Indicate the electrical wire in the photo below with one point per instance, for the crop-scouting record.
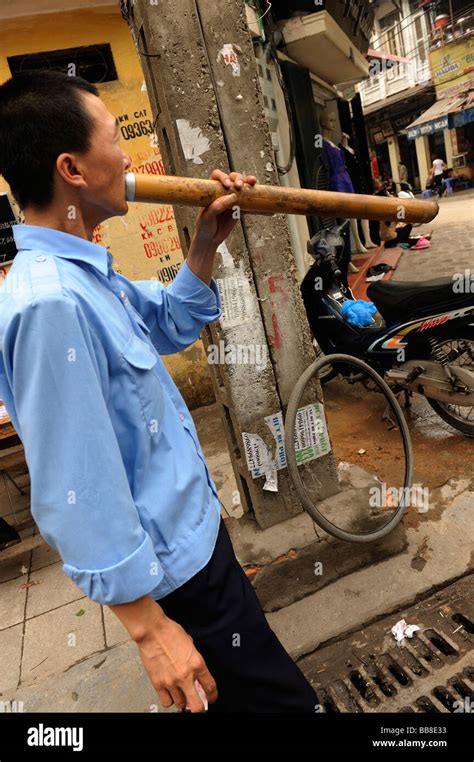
(264, 14)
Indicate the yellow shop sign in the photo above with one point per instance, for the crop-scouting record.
(452, 66)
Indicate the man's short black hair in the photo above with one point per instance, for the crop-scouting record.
(42, 115)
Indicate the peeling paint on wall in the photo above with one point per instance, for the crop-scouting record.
(193, 142)
(227, 259)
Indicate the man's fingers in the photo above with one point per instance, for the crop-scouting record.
(208, 683)
(165, 698)
(236, 178)
(239, 179)
(221, 205)
(193, 702)
(250, 179)
(178, 697)
(223, 177)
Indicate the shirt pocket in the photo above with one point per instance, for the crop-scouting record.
(139, 362)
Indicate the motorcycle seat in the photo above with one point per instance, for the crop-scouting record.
(399, 301)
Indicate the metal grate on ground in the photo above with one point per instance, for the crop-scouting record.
(433, 671)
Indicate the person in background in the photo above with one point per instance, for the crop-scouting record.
(437, 170)
(390, 185)
(403, 172)
(374, 170)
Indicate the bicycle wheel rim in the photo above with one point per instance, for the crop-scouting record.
(290, 420)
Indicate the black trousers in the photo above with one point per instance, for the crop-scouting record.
(219, 608)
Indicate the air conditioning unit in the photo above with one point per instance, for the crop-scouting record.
(459, 161)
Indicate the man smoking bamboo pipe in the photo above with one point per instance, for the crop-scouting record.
(119, 485)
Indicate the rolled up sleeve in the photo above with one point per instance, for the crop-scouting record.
(175, 315)
(80, 494)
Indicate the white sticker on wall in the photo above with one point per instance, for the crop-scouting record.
(275, 424)
(311, 441)
(262, 462)
(229, 54)
(234, 291)
(193, 142)
(227, 260)
(271, 480)
(257, 454)
(231, 292)
(311, 433)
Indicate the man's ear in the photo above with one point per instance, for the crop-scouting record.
(69, 170)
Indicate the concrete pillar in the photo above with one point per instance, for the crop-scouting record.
(423, 156)
(448, 145)
(202, 81)
(394, 154)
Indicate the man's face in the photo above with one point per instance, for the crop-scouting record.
(103, 165)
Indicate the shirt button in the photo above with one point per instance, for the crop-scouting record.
(181, 417)
(124, 296)
(41, 259)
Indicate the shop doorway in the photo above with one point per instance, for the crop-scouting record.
(408, 157)
(437, 145)
(383, 158)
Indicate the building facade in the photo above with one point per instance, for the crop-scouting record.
(421, 53)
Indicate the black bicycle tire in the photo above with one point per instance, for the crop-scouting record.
(332, 374)
(290, 420)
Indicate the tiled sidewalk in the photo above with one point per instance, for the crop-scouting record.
(46, 622)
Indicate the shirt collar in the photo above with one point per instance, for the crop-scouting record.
(62, 245)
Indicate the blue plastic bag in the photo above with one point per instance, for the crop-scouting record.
(358, 312)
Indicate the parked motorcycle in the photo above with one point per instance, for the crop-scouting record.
(423, 342)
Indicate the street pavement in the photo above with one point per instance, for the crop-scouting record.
(452, 244)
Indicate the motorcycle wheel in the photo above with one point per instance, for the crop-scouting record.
(453, 414)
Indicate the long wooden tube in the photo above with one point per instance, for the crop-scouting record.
(275, 199)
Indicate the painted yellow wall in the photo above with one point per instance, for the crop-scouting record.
(145, 243)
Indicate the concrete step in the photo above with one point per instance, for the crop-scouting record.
(302, 573)
(296, 558)
(365, 595)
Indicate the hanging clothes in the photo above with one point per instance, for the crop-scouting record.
(354, 169)
(339, 179)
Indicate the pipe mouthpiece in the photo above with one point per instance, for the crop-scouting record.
(130, 186)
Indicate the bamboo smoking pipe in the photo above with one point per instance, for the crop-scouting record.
(276, 199)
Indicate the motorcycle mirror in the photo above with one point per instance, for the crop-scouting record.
(340, 229)
(312, 244)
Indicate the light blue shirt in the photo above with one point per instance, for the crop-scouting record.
(119, 485)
